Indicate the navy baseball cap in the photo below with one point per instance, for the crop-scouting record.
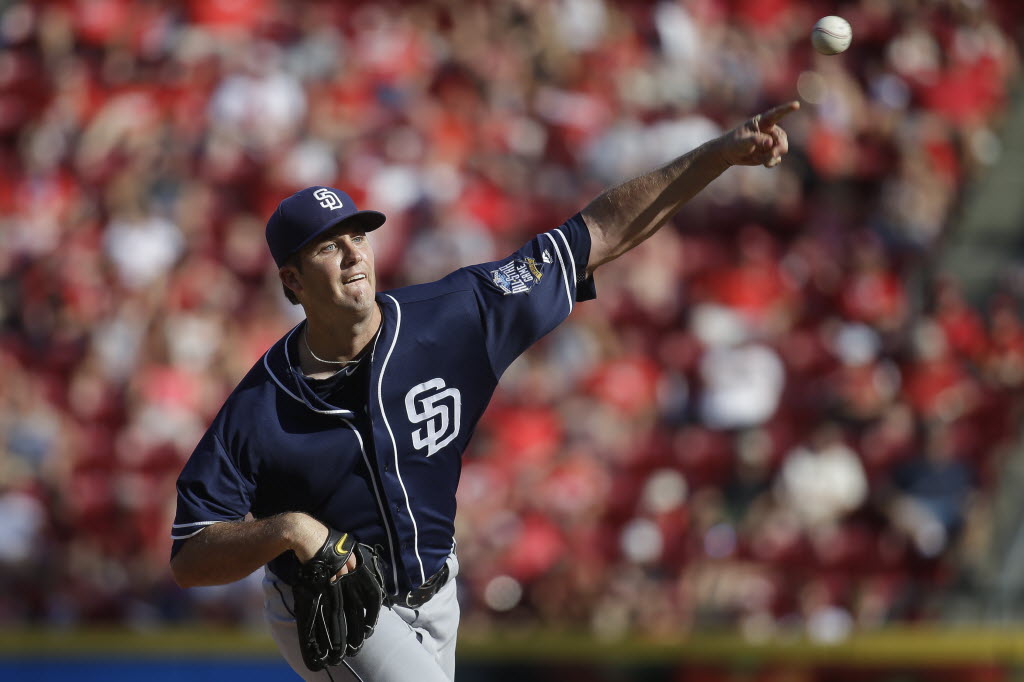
(305, 214)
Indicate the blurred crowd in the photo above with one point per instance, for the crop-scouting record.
(777, 415)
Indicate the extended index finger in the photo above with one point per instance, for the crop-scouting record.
(775, 114)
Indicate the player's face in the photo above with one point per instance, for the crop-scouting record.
(337, 270)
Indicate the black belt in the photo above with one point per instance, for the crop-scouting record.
(416, 598)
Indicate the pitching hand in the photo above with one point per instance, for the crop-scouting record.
(759, 141)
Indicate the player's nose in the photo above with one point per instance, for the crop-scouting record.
(352, 254)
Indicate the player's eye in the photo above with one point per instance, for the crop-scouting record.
(330, 246)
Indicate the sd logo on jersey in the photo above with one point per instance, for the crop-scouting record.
(517, 276)
(440, 407)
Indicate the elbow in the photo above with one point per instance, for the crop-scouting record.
(181, 574)
(183, 584)
(187, 568)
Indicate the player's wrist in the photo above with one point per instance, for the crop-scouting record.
(716, 153)
(303, 534)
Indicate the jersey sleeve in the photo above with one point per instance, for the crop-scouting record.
(210, 490)
(526, 295)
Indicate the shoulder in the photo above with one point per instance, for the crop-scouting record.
(460, 281)
(565, 247)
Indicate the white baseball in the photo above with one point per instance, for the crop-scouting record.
(831, 35)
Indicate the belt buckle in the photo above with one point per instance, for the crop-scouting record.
(416, 598)
(421, 595)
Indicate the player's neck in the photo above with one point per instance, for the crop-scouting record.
(337, 338)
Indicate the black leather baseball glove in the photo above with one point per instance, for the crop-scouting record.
(335, 618)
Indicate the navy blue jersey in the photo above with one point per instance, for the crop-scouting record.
(387, 473)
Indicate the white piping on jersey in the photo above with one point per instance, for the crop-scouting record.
(572, 258)
(380, 504)
(202, 526)
(284, 388)
(394, 446)
(359, 438)
(561, 262)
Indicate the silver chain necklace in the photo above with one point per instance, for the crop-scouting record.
(305, 337)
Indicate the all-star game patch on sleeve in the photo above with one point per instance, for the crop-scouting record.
(210, 490)
(528, 294)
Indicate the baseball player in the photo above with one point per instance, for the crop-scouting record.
(350, 429)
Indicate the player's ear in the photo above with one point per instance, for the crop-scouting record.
(290, 278)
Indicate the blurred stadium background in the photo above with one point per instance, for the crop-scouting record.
(784, 445)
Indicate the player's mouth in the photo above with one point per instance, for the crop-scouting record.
(355, 278)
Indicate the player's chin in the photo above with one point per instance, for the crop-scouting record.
(355, 298)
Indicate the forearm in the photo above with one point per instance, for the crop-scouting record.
(624, 216)
(229, 551)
